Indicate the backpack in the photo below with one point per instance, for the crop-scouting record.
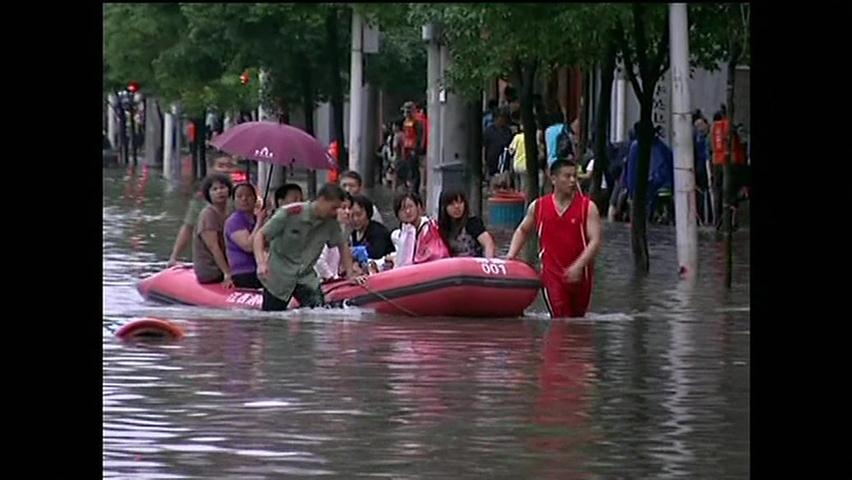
(564, 145)
(503, 163)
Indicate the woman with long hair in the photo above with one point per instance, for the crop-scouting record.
(465, 235)
(208, 243)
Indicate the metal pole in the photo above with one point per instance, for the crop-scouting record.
(685, 211)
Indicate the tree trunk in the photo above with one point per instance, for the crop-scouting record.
(639, 207)
(133, 134)
(332, 50)
(727, 180)
(582, 108)
(122, 133)
(475, 155)
(527, 77)
(201, 144)
(601, 152)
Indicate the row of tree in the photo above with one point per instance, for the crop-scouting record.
(521, 42)
(194, 54)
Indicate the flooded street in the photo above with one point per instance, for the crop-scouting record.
(653, 383)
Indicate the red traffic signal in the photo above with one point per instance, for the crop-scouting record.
(244, 78)
(133, 87)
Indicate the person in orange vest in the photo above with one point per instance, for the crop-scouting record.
(720, 135)
(413, 146)
(191, 136)
(334, 152)
(420, 115)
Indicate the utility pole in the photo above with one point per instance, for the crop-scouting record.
(279, 173)
(356, 84)
(685, 212)
(431, 34)
(168, 144)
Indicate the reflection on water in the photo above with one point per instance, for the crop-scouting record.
(652, 384)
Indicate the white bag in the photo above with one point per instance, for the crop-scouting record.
(404, 239)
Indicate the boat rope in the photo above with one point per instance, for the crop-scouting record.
(386, 299)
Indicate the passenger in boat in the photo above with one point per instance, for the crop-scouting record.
(369, 233)
(225, 165)
(352, 182)
(295, 236)
(240, 230)
(287, 194)
(208, 243)
(418, 239)
(465, 234)
(328, 264)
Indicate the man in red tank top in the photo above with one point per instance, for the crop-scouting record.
(569, 230)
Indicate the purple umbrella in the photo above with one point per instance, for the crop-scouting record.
(274, 143)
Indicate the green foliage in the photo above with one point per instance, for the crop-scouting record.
(195, 53)
(135, 35)
(486, 40)
(400, 65)
(717, 31)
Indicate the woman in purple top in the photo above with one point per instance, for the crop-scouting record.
(240, 229)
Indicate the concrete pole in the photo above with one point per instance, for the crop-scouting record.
(168, 145)
(621, 106)
(112, 120)
(262, 114)
(431, 35)
(177, 165)
(454, 145)
(685, 212)
(153, 133)
(356, 91)
(434, 175)
(279, 173)
(369, 134)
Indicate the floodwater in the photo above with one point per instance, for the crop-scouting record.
(653, 383)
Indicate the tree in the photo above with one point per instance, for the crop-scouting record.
(608, 64)
(724, 36)
(500, 40)
(400, 65)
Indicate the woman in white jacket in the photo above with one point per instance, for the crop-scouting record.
(408, 208)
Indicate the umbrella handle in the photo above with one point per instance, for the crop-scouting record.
(268, 181)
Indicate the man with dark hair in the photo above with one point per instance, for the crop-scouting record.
(488, 116)
(351, 182)
(295, 236)
(557, 126)
(496, 138)
(287, 194)
(569, 229)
